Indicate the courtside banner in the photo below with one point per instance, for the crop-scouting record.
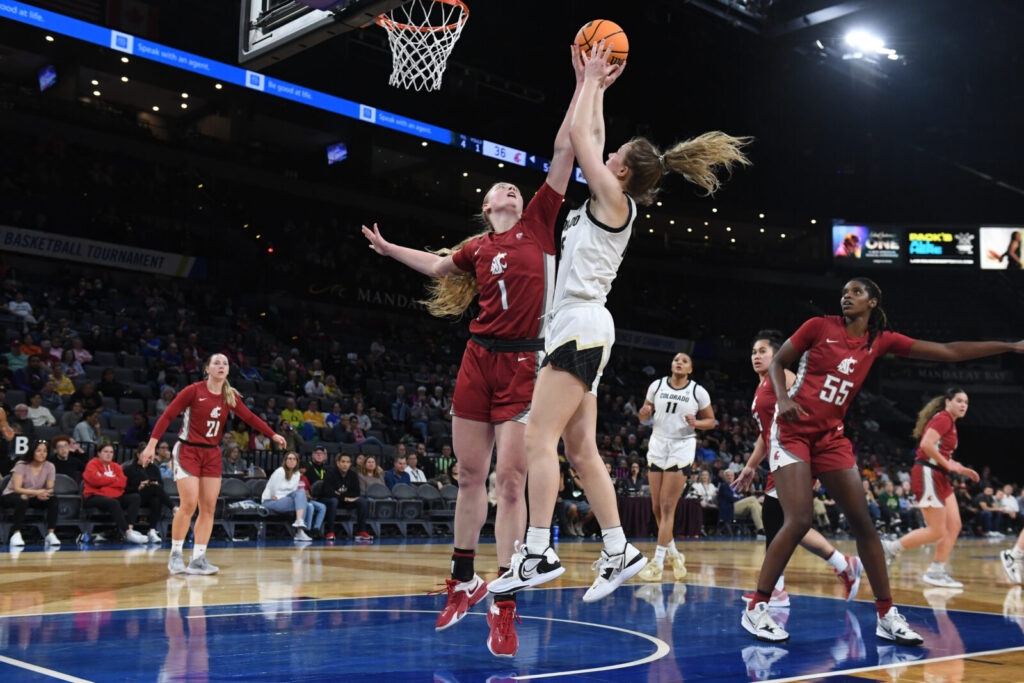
(69, 248)
(654, 342)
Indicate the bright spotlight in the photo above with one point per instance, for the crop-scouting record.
(862, 40)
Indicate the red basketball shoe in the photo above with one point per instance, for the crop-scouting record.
(461, 596)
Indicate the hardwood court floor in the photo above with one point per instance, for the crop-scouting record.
(288, 612)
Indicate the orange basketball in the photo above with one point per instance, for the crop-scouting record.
(597, 30)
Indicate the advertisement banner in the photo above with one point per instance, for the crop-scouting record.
(942, 247)
(861, 245)
(1000, 248)
(69, 248)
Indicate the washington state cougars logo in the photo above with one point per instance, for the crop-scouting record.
(846, 366)
(215, 413)
(498, 264)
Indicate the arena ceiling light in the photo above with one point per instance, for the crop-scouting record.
(863, 44)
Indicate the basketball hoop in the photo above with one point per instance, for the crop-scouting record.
(422, 34)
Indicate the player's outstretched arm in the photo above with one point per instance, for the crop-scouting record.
(424, 262)
(562, 159)
(954, 352)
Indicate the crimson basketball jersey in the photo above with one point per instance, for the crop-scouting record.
(515, 271)
(943, 423)
(763, 410)
(832, 369)
(203, 416)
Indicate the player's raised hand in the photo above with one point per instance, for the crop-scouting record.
(597, 64)
(613, 74)
(377, 242)
(578, 65)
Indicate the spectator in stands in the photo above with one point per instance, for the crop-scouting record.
(150, 344)
(164, 460)
(872, 501)
(313, 420)
(104, 489)
(989, 514)
(334, 418)
(360, 436)
(370, 474)
(233, 462)
(88, 397)
(363, 420)
(315, 509)
(315, 387)
(240, 430)
(29, 346)
(31, 484)
(317, 467)
(399, 407)
(447, 478)
(139, 432)
(293, 440)
(67, 457)
(21, 422)
(444, 460)
(247, 371)
(419, 412)
(416, 475)
(342, 485)
(38, 413)
(166, 396)
(50, 398)
(437, 403)
(291, 386)
(633, 484)
(277, 372)
(705, 452)
(143, 477)
(16, 360)
(397, 475)
(1010, 508)
(283, 495)
(70, 365)
(109, 387)
(32, 377)
(332, 391)
(81, 354)
(72, 417)
(23, 309)
(291, 414)
(87, 432)
(262, 442)
(732, 505)
(706, 491)
(889, 506)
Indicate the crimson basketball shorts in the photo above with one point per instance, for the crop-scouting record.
(931, 487)
(195, 461)
(494, 386)
(826, 451)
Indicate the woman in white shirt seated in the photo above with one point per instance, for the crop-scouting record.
(38, 413)
(283, 494)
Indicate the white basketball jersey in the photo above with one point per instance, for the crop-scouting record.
(591, 254)
(671, 406)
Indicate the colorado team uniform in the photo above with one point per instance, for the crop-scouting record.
(197, 452)
(832, 369)
(928, 480)
(514, 274)
(673, 441)
(582, 332)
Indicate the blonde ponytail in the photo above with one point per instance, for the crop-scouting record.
(451, 295)
(698, 160)
(931, 409)
(229, 394)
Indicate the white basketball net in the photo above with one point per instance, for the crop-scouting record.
(422, 34)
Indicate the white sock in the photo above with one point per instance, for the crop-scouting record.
(838, 561)
(659, 555)
(537, 538)
(1017, 553)
(781, 583)
(937, 567)
(614, 540)
(177, 546)
(672, 548)
(198, 551)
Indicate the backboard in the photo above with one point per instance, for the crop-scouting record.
(271, 30)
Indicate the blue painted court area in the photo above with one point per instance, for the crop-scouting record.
(657, 632)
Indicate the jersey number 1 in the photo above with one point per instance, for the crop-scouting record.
(504, 295)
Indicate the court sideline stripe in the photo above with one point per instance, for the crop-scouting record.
(865, 669)
(42, 670)
(661, 648)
